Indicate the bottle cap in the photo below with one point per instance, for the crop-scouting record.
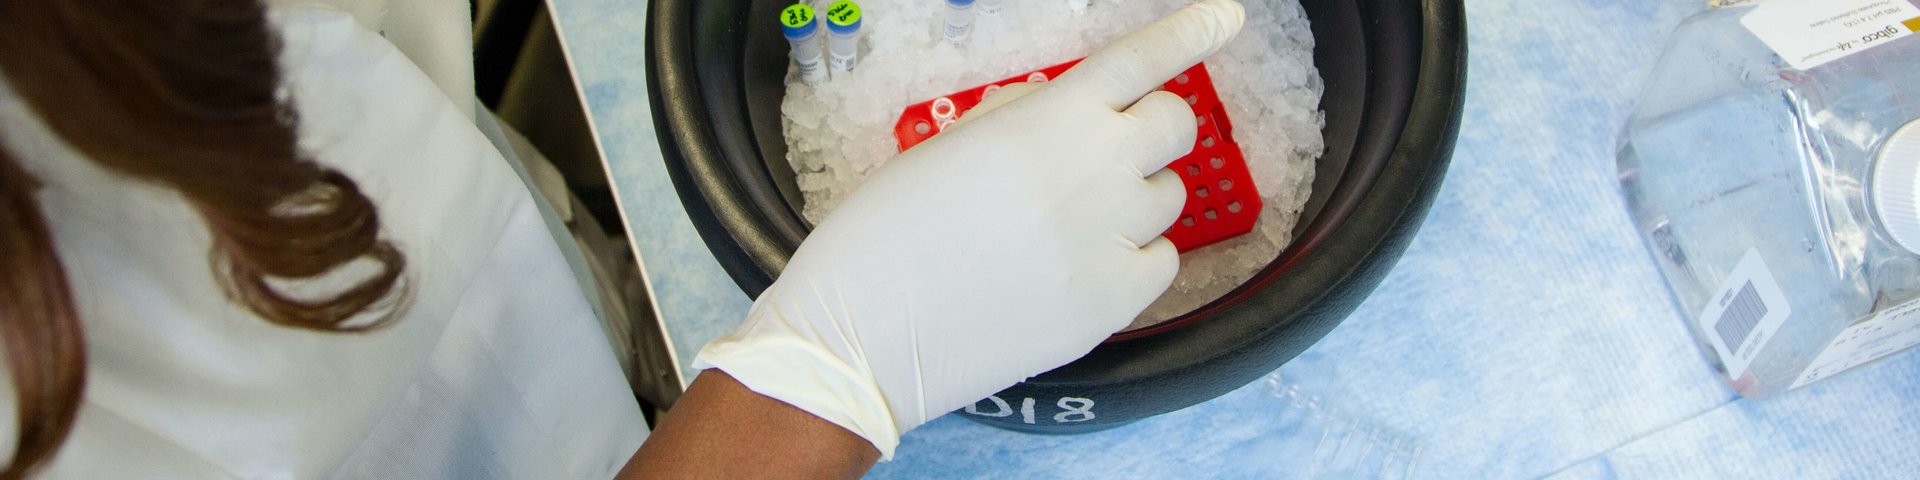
(843, 17)
(797, 21)
(1895, 179)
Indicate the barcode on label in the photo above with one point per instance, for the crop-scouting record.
(1741, 315)
(1744, 313)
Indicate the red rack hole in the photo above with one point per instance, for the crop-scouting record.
(1193, 99)
(1193, 169)
(1207, 141)
(1233, 206)
(1211, 214)
(1200, 192)
(1186, 221)
(943, 108)
(922, 128)
(1226, 185)
(1180, 79)
(1217, 162)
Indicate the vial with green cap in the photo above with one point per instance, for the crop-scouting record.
(802, 30)
(959, 20)
(843, 34)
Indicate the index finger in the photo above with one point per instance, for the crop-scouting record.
(1140, 62)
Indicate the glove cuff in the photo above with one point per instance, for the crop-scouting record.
(809, 378)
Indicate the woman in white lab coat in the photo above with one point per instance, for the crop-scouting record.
(250, 242)
(226, 259)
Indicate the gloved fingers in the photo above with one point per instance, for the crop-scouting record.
(1152, 270)
(1164, 129)
(998, 98)
(1141, 61)
(1146, 215)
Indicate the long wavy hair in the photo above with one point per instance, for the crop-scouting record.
(185, 94)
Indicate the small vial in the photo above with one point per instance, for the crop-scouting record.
(802, 30)
(843, 34)
(959, 20)
(989, 7)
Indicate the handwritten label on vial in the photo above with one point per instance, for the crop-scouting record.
(1810, 33)
(843, 13)
(797, 15)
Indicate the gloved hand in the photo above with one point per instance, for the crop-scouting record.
(1006, 246)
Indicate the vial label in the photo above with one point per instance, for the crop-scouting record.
(957, 32)
(796, 16)
(843, 13)
(844, 62)
(812, 69)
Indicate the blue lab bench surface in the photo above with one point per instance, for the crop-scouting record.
(1524, 334)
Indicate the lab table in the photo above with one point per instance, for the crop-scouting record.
(1524, 333)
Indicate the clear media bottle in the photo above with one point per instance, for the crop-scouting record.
(843, 34)
(959, 23)
(802, 30)
(1774, 185)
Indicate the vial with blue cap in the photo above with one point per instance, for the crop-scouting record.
(802, 30)
(959, 20)
(843, 34)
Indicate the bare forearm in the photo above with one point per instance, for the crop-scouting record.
(721, 429)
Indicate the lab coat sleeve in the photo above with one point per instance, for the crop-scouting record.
(437, 35)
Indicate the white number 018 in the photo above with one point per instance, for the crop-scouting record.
(1073, 409)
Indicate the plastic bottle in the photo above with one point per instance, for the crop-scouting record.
(843, 34)
(1779, 202)
(959, 22)
(802, 30)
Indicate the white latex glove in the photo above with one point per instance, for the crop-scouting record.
(1006, 246)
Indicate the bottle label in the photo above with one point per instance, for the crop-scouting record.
(1742, 316)
(1892, 330)
(1809, 33)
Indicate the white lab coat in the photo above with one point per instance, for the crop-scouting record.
(498, 369)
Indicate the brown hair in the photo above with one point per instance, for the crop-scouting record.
(184, 94)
